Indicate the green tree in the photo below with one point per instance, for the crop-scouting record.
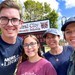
(38, 11)
(33, 10)
(53, 18)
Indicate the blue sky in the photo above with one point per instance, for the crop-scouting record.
(1, 1)
(63, 7)
(66, 10)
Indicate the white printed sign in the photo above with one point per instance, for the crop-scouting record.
(35, 26)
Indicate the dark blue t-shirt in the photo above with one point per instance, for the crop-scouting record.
(61, 61)
(9, 55)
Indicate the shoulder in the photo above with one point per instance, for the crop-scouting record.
(46, 54)
(22, 64)
(45, 61)
(68, 47)
(19, 39)
(48, 68)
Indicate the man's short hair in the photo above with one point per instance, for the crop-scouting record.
(10, 4)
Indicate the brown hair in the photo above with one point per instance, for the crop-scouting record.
(10, 4)
(24, 56)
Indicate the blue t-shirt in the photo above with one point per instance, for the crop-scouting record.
(9, 55)
(61, 61)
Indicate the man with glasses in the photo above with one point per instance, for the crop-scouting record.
(10, 44)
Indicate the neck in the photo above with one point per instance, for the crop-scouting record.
(9, 40)
(34, 58)
(57, 50)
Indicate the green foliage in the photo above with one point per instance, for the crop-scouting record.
(37, 11)
(46, 8)
(33, 10)
(53, 17)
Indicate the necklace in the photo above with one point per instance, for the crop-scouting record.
(56, 59)
(55, 55)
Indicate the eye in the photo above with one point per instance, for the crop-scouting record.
(32, 43)
(25, 45)
(68, 32)
(3, 18)
(15, 19)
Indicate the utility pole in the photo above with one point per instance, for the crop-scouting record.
(63, 20)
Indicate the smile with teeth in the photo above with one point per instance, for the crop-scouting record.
(30, 51)
(52, 43)
(10, 30)
(73, 40)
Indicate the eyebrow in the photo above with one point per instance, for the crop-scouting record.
(67, 29)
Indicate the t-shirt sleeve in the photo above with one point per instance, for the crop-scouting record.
(49, 69)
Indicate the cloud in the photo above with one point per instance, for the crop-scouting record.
(69, 3)
(60, 14)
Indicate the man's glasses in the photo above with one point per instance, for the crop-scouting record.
(5, 20)
(32, 44)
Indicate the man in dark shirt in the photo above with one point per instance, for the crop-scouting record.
(10, 44)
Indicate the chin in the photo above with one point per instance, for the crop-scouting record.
(12, 36)
(73, 46)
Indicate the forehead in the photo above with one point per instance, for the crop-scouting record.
(29, 39)
(49, 34)
(70, 26)
(9, 12)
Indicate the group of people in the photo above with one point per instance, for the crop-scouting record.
(60, 60)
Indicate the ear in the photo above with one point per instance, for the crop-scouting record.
(38, 45)
(59, 36)
(21, 22)
(0, 26)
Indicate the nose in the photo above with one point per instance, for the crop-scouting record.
(9, 23)
(73, 34)
(29, 46)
